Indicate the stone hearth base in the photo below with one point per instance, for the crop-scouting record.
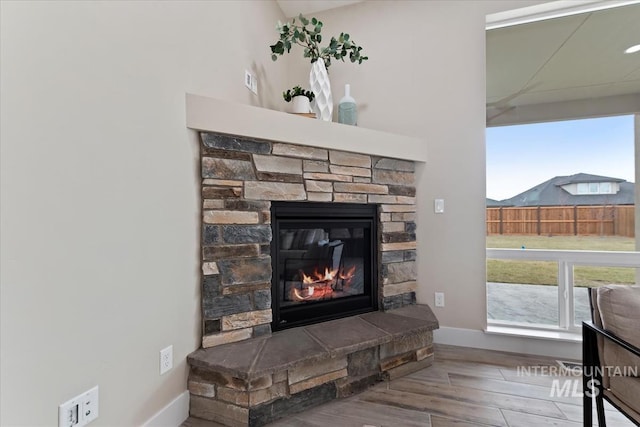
(254, 382)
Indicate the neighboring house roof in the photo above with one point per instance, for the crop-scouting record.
(551, 193)
(585, 177)
(492, 203)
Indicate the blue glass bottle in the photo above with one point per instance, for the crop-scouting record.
(347, 109)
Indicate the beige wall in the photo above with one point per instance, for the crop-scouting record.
(99, 202)
(426, 78)
(100, 222)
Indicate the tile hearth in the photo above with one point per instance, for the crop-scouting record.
(260, 380)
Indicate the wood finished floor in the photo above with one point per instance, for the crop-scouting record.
(463, 388)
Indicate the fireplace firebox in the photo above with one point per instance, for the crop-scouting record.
(323, 259)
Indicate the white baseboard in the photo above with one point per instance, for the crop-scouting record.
(538, 346)
(173, 414)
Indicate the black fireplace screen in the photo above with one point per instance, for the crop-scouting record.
(324, 261)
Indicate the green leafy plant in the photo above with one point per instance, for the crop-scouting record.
(297, 91)
(306, 33)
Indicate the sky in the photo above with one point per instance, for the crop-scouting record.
(520, 157)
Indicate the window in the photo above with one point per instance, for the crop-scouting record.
(594, 188)
(564, 248)
(583, 188)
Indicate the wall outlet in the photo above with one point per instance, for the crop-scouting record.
(166, 359)
(438, 206)
(80, 410)
(439, 297)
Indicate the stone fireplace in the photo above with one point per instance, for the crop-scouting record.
(308, 264)
(241, 177)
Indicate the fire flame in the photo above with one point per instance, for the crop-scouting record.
(349, 274)
(311, 292)
(319, 285)
(328, 276)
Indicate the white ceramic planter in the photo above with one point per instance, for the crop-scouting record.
(300, 104)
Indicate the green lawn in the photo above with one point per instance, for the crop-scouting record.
(546, 273)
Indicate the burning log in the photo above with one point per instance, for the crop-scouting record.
(322, 285)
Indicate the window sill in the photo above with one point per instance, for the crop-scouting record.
(518, 331)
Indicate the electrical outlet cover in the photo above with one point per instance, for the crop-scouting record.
(90, 405)
(166, 359)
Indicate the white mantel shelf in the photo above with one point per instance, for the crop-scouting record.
(215, 115)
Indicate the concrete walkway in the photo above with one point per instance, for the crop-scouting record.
(531, 303)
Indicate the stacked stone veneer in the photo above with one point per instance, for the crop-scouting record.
(240, 178)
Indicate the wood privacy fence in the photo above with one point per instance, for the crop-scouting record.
(562, 220)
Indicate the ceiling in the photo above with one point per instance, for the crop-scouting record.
(570, 59)
(293, 8)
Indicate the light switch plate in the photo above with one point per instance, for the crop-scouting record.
(438, 206)
(250, 81)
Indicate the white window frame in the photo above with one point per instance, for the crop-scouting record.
(566, 261)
